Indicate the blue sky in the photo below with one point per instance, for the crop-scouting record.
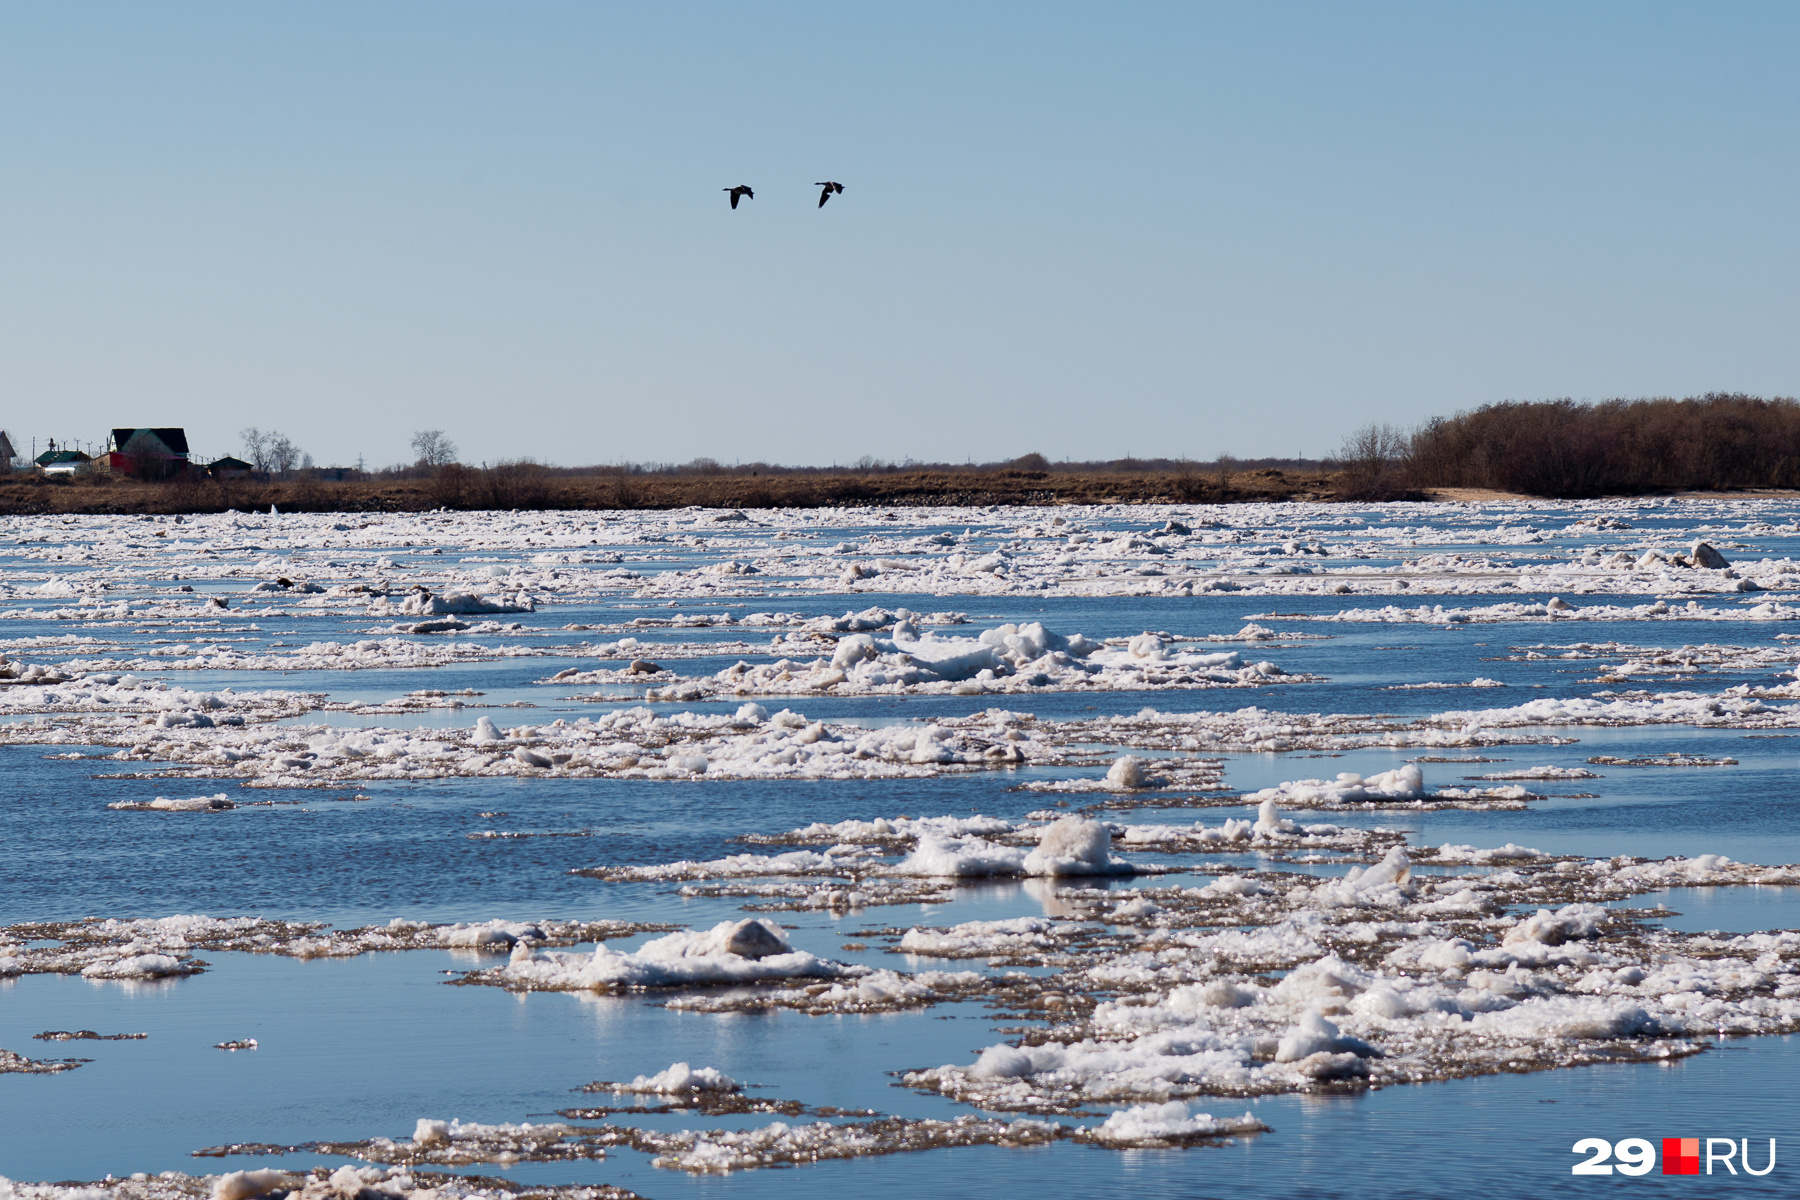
(1083, 230)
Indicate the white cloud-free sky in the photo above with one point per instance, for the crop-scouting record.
(1085, 230)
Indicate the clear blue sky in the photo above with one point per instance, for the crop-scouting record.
(1085, 230)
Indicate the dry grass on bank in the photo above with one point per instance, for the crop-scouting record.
(525, 486)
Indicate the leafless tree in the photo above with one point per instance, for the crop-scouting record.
(282, 454)
(433, 448)
(1372, 458)
(1373, 449)
(256, 445)
(1225, 466)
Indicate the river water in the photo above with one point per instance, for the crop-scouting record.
(354, 1047)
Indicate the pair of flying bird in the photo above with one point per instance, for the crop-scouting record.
(743, 189)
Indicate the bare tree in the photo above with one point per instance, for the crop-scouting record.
(1371, 458)
(256, 445)
(1373, 449)
(282, 454)
(433, 448)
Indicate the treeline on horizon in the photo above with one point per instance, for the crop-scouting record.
(1568, 450)
(1027, 466)
(1560, 449)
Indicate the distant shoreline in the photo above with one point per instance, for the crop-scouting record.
(472, 489)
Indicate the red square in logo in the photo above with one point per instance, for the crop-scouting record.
(1681, 1156)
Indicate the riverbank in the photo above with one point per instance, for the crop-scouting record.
(510, 488)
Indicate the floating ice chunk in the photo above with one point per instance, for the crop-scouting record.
(1221, 993)
(490, 933)
(138, 966)
(1012, 1062)
(1545, 773)
(12, 671)
(485, 730)
(1572, 922)
(242, 1185)
(1147, 646)
(1402, 783)
(1470, 854)
(1010, 657)
(1568, 1017)
(738, 866)
(784, 1144)
(753, 938)
(858, 647)
(731, 952)
(349, 1183)
(1159, 1124)
(1313, 1034)
(881, 991)
(1075, 846)
(961, 857)
(424, 604)
(215, 803)
(891, 829)
(679, 1077)
(1387, 884)
(429, 1134)
(1235, 885)
(979, 939)
(1704, 555)
(1125, 774)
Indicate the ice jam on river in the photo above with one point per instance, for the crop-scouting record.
(598, 853)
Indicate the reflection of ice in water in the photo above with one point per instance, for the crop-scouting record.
(1044, 891)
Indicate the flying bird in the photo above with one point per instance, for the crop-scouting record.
(739, 192)
(827, 193)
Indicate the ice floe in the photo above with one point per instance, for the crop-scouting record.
(158, 947)
(750, 950)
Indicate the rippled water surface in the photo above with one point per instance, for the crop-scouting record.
(358, 1047)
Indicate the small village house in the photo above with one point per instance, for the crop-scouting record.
(61, 460)
(148, 453)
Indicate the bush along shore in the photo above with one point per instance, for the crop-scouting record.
(1561, 449)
